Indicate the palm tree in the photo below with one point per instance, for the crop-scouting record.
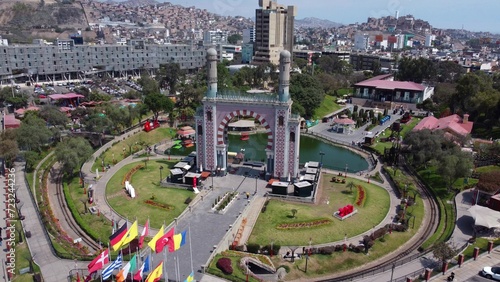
(351, 185)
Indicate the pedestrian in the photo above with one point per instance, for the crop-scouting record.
(1, 240)
(248, 195)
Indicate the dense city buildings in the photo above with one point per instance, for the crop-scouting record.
(274, 31)
(66, 60)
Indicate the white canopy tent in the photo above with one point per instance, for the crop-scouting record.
(485, 216)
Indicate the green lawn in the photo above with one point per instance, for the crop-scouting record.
(319, 265)
(405, 128)
(146, 184)
(333, 197)
(98, 227)
(488, 168)
(327, 106)
(132, 144)
(238, 274)
(344, 91)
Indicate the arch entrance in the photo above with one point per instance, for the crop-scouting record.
(272, 111)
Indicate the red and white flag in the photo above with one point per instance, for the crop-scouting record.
(145, 232)
(99, 262)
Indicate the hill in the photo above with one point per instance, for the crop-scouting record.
(23, 20)
(315, 23)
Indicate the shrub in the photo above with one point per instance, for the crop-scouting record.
(326, 250)
(239, 248)
(379, 233)
(188, 200)
(224, 264)
(285, 267)
(253, 248)
(263, 209)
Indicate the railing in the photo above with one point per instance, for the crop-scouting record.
(416, 273)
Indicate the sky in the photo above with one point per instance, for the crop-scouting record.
(480, 15)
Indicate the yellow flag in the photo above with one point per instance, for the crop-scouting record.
(132, 233)
(152, 243)
(156, 274)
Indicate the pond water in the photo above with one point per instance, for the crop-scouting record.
(334, 157)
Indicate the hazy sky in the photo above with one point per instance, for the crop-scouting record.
(481, 15)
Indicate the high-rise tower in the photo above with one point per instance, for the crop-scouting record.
(274, 26)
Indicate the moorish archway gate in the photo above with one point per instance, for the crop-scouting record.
(273, 111)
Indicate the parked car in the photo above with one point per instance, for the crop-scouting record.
(491, 272)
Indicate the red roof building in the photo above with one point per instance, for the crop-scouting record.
(383, 92)
(10, 121)
(454, 125)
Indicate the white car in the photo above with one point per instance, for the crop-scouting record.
(491, 272)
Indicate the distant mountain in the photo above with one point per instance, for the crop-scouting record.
(315, 22)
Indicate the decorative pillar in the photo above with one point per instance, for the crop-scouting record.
(460, 260)
(490, 246)
(476, 253)
(444, 267)
(427, 275)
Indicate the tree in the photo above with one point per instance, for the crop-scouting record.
(169, 76)
(294, 212)
(157, 103)
(449, 71)
(306, 91)
(475, 95)
(73, 153)
(31, 159)
(234, 38)
(8, 151)
(148, 84)
(351, 185)
(416, 70)
(488, 182)
(53, 115)
(423, 146)
(444, 251)
(98, 123)
(33, 133)
(453, 165)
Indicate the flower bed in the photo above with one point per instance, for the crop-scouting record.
(158, 205)
(361, 197)
(129, 174)
(305, 224)
(222, 202)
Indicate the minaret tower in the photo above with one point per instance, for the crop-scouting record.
(212, 73)
(285, 60)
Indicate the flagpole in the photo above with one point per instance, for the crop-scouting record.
(178, 268)
(190, 247)
(165, 264)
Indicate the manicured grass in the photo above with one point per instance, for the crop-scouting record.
(98, 227)
(22, 259)
(238, 275)
(319, 265)
(482, 244)
(444, 197)
(379, 146)
(327, 106)
(333, 197)
(488, 168)
(131, 145)
(146, 184)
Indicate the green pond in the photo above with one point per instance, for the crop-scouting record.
(334, 157)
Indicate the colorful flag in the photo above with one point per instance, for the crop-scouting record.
(190, 278)
(129, 267)
(131, 234)
(116, 238)
(78, 276)
(156, 274)
(99, 261)
(179, 240)
(152, 243)
(145, 232)
(117, 264)
(144, 269)
(166, 240)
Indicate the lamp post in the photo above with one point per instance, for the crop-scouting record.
(321, 153)
(256, 178)
(345, 176)
(272, 250)
(161, 168)
(392, 272)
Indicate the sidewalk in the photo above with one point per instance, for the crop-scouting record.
(52, 267)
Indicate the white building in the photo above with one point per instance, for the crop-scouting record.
(249, 35)
(4, 42)
(215, 37)
(429, 38)
(361, 42)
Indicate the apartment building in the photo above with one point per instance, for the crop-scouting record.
(215, 37)
(274, 26)
(65, 60)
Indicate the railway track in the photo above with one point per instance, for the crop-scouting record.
(430, 227)
(68, 217)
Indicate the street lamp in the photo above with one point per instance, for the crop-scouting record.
(161, 168)
(345, 176)
(256, 178)
(321, 153)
